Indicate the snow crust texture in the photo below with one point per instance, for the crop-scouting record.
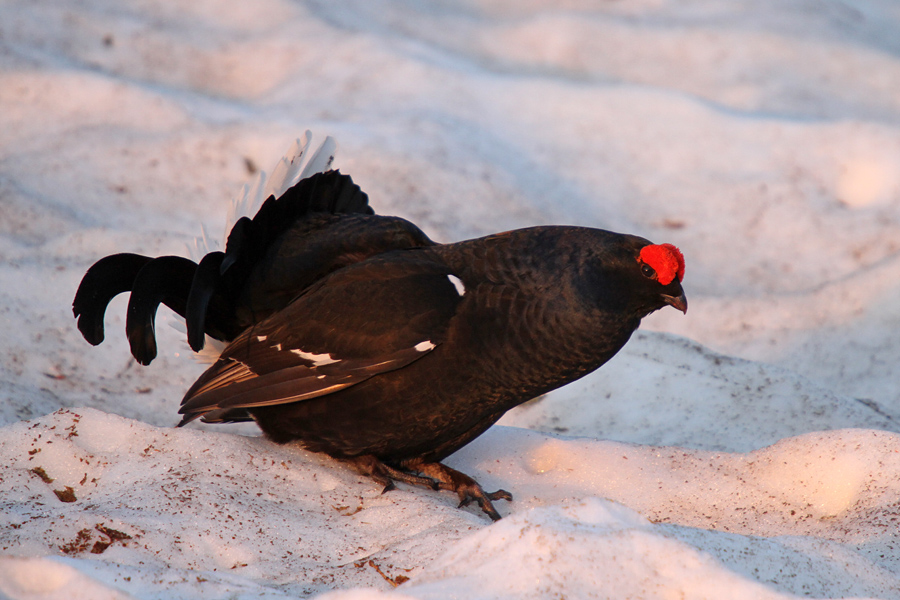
(748, 449)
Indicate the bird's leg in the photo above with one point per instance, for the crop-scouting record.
(386, 475)
(465, 487)
(436, 477)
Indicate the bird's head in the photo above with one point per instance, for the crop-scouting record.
(628, 277)
(664, 264)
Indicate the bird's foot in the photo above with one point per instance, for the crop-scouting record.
(465, 487)
(386, 475)
(436, 477)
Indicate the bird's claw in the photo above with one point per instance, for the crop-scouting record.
(466, 488)
(468, 494)
(431, 475)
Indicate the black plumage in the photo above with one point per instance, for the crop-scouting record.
(317, 226)
(357, 336)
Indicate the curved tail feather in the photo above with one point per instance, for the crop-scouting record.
(166, 280)
(297, 237)
(203, 286)
(106, 279)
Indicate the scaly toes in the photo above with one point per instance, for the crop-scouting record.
(445, 478)
(500, 495)
(474, 492)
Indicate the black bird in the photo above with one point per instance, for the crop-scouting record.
(357, 336)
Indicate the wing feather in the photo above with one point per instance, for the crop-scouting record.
(367, 319)
(238, 387)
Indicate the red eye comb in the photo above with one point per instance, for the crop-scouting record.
(666, 260)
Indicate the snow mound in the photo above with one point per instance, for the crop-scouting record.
(141, 509)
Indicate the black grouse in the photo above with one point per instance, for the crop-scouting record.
(357, 336)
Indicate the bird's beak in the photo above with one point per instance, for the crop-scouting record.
(679, 302)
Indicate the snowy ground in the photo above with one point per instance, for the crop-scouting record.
(750, 449)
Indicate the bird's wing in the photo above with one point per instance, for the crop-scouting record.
(370, 318)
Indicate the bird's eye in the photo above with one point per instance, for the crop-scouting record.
(647, 271)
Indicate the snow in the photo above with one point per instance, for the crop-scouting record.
(748, 449)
